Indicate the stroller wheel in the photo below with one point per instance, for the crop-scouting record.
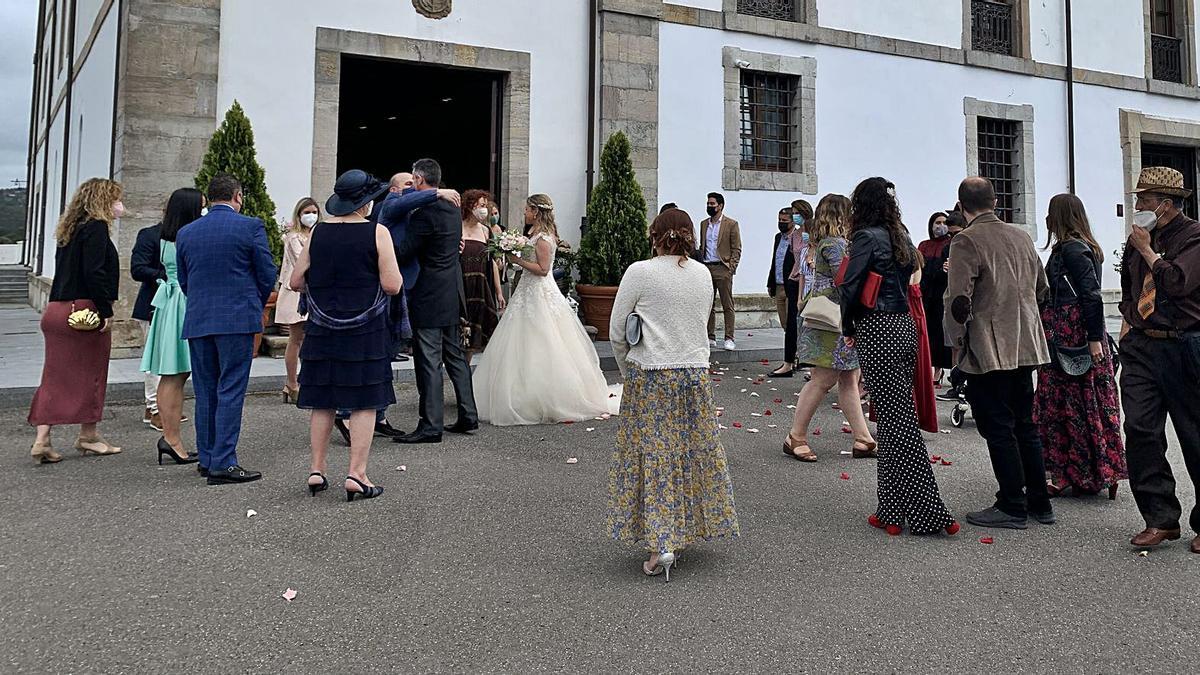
(958, 415)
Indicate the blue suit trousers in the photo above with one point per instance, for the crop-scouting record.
(220, 375)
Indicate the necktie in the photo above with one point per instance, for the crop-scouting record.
(1146, 299)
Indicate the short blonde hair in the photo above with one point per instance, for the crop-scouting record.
(92, 201)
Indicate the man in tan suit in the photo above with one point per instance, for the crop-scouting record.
(720, 249)
(996, 280)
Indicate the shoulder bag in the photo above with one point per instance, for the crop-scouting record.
(1073, 361)
(821, 313)
(633, 329)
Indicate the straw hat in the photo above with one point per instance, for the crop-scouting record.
(1162, 180)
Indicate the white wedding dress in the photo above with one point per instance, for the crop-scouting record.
(540, 366)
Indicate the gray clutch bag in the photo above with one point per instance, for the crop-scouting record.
(633, 329)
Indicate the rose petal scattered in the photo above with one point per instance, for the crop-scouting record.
(987, 540)
(791, 407)
(756, 414)
(589, 429)
(754, 393)
(289, 594)
(847, 430)
(752, 431)
(606, 416)
(779, 400)
(772, 426)
(568, 421)
(845, 476)
(722, 426)
(250, 513)
(765, 362)
(946, 462)
(933, 461)
(737, 425)
(945, 431)
(845, 452)
(402, 468)
(572, 460)
(817, 431)
(744, 391)
(1144, 554)
(768, 413)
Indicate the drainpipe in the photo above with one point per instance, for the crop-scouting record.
(1070, 102)
(593, 17)
(27, 249)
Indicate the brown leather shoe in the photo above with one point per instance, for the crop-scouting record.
(1152, 536)
(1196, 545)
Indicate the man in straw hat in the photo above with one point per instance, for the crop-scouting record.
(1160, 353)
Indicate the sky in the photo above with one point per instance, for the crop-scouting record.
(18, 32)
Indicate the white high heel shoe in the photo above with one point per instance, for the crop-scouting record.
(665, 560)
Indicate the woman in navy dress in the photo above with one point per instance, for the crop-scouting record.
(346, 273)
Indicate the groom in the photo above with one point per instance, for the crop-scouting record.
(432, 239)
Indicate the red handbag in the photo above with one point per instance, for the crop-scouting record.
(870, 290)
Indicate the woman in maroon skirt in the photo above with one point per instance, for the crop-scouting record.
(1078, 416)
(75, 372)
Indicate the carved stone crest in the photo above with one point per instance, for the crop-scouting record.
(434, 9)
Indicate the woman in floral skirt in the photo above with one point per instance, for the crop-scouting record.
(668, 483)
(1078, 417)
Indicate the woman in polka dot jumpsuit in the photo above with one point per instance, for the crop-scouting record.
(886, 339)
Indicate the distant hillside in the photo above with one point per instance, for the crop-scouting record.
(12, 214)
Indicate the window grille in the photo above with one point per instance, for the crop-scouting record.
(769, 121)
(783, 10)
(999, 162)
(992, 26)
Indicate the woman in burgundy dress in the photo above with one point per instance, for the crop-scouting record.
(481, 272)
(1078, 416)
(75, 372)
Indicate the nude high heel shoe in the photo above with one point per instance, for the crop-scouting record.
(44, 453)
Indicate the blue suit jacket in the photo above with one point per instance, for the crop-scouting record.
(227, 273)
(394, 213)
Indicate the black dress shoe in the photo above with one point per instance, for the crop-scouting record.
(461, 427)
(202, 471)
(234, 474)
(418, 437)
(399, 358)
(386, 430)
(340, 425)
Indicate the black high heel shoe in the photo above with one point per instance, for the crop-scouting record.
(319, 487)
(368, 491)
(164, 448)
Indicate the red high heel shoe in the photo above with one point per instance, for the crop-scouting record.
(892, 530)
(953, 528)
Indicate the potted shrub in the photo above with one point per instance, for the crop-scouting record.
(616, 234)
(231, 150)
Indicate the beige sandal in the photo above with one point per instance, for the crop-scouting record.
(864, 450)
(44, 454)
(95, 446)
(790, 447)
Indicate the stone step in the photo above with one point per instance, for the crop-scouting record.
(274, 346)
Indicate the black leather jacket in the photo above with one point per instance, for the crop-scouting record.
(1074, 274)
(871, 251)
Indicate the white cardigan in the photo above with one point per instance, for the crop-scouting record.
(674, 303)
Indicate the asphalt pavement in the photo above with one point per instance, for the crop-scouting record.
(488, 554)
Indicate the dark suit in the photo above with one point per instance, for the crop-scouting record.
(432, 238)
(789, 315)
(145, 266)
(227, 272)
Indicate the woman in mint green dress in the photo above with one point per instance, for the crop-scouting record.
(166, 353)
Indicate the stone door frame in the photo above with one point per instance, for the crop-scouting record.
(514, 107)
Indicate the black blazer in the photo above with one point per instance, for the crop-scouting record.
(1074, 274)
(871, 251)
(88, 268)
(432, 239)
(145, 265)
(789, 261)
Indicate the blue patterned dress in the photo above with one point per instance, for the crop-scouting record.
(823, 348)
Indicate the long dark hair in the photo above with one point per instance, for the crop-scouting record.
(1067, 220)
(932, 220)
(182, 208)
(873, 204)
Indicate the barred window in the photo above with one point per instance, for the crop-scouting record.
(769, 121)
(993, 26)
(1000, 162)
(1166, 48)
(784, 10)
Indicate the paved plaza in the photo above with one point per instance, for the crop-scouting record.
(488, 554)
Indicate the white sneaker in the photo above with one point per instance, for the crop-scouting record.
(712, 344)
(730, 345)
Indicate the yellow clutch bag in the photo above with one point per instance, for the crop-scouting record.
(83, 319)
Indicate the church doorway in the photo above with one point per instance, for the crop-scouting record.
(392, 113)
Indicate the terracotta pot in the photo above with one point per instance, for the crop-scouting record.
(267, 319)
(597, 303)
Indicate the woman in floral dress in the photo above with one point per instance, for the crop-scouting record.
(1078, 417)
(668, 482)
(833, 362)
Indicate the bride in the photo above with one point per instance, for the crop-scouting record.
(540, 366)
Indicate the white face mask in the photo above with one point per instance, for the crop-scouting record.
(308, 219)
(204, 212)
(481, 214)
(1145, 219)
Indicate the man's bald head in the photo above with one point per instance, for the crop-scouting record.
(400, 182)
(977, 196)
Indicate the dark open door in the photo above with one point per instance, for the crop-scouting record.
(1180, 158)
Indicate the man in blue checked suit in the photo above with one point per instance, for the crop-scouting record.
(227, 273)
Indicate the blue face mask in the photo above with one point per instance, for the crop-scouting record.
(804, 237)
(797, 219)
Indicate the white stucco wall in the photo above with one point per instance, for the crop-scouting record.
(715, 5)
(92, 110)
(271, 73)
(1047, 33)
(936, 22)
(1110, 36)
(894, 117)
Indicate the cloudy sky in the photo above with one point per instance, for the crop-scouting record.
(18, 22)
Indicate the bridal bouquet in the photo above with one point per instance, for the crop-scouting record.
(508, 243)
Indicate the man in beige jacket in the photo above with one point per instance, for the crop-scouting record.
(996, 281)
(720, 249)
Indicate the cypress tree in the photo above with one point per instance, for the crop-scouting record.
(617, 235)
(231, 151)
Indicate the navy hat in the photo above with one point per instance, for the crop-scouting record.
(352, 190)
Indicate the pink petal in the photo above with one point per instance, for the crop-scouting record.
(289, 594)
